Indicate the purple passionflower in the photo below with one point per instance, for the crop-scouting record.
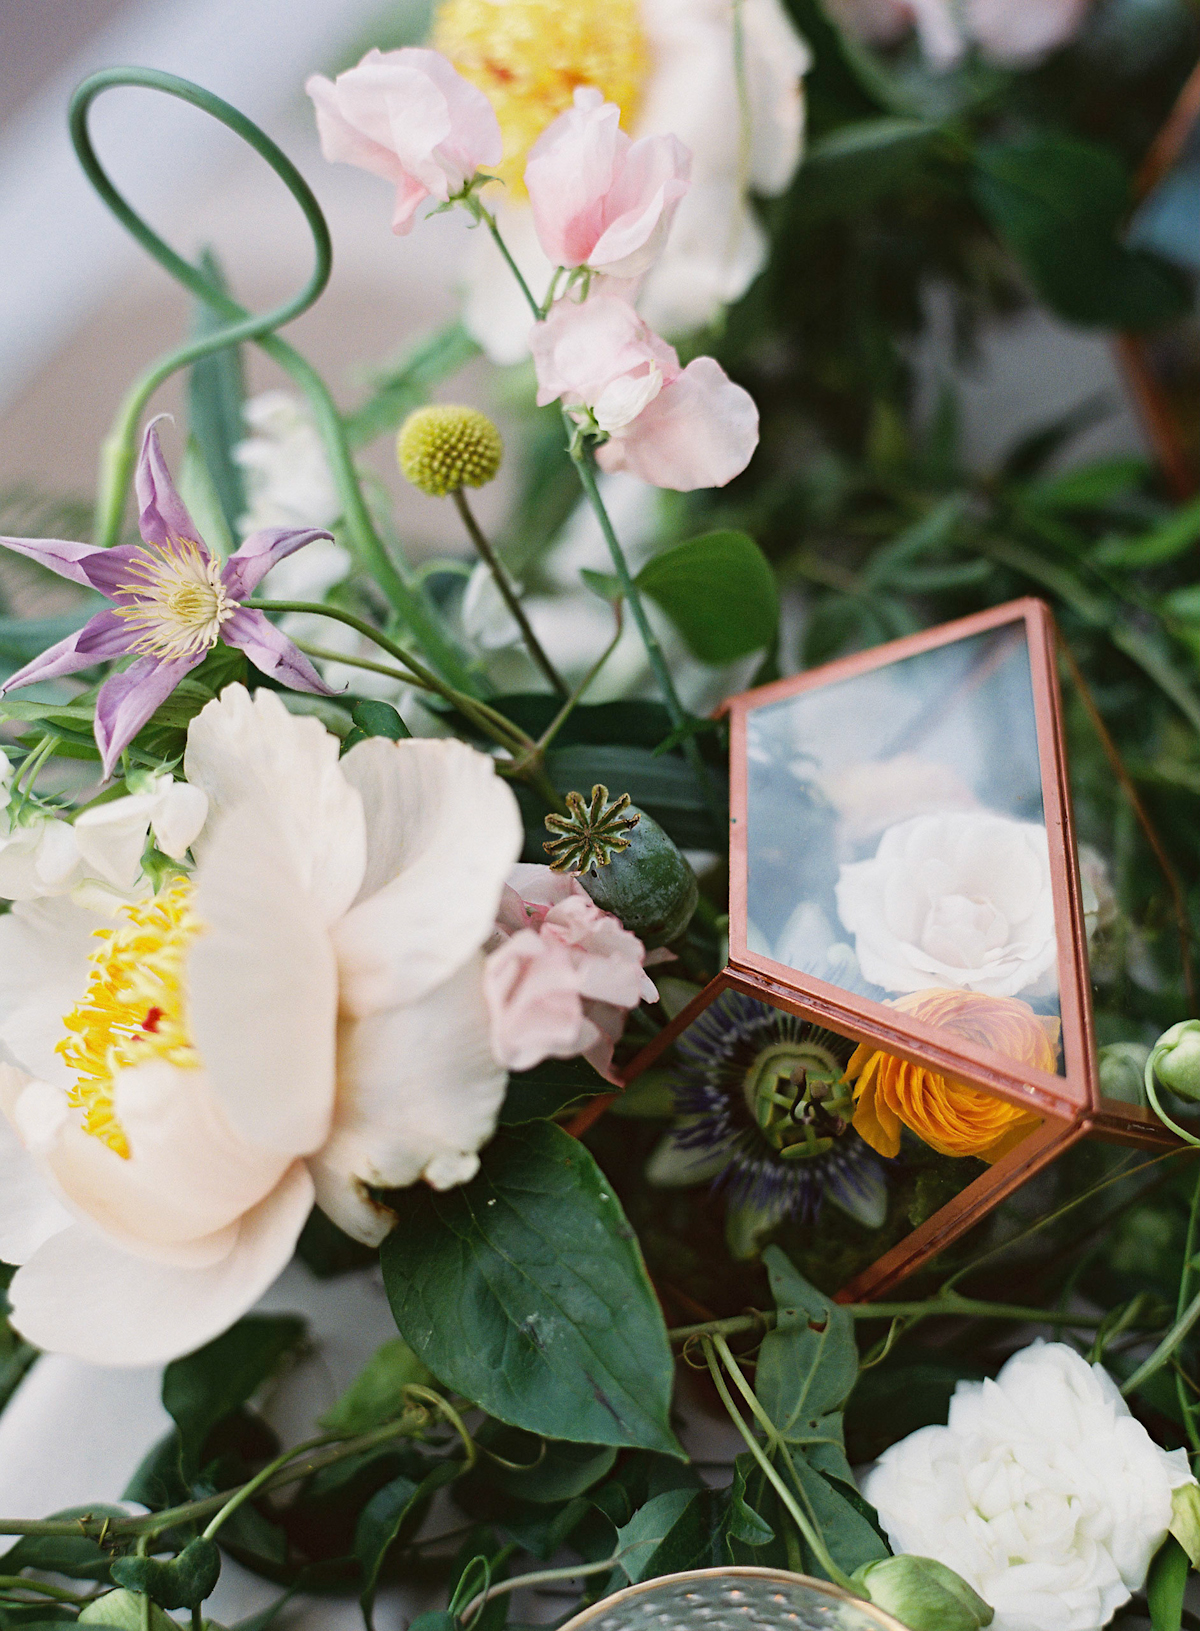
(172, 601)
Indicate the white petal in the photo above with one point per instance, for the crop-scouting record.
(251, 750)
(111, 837)
(179, 819)
(418, 1094)
(263, 987)
(443, 832)
(80, 1295)
(29, 1212)
(44, 951)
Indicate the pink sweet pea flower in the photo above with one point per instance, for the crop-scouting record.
(672, 427)
(172, 602)
(411, 118)
(1005, 32)
(598, 198)
(561, 975)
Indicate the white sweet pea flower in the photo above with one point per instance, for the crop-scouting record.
(1042, 1492)
(304, 1017)
(670, 65)
(620, 402)
(286, 473)
(961, 899)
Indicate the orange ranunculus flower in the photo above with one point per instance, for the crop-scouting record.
(949, 1116)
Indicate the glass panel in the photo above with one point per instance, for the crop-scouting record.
(897, 845)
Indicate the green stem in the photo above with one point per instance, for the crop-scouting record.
(11, 1582)
(1187, 1404)
(508, 592)
(584, 461)
(1183, 1324)
(953, 1307)
(491, 722)
(260, 1479)
(573, 701)
(815, 1541)
(118, 454)
(1152, 1095)
(480, 213)
(541, 1577)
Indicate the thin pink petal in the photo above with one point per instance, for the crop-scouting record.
(700, 431)
(61, 555)
(249, 565)
(270, 650)
(127, 700)
(163, 514)
(101, 638)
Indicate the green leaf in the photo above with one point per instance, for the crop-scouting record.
(179, 1582)
(1166, 1584)
(1089, 488)
(375, 718)
(398, 1503)
(605, 584)
(124, 1611)
(376, 1394)
(525, 1291)
(204, 1387)
(1179, 533)
(408, 382)
(867, 138)
(719, 591)
(742, 1521)
(534, 1095)
(1059, 203)
(216, 393)
(648, 1528)
(543, 1472)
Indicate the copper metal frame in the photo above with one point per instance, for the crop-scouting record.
(1070, 1105)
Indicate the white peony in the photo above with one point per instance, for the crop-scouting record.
(716, 247)
(303, 1018)
(1042, 1492)
(960, 899)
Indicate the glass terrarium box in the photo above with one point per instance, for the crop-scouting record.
(904, 1027)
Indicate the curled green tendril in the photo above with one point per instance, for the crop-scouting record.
(118, 454)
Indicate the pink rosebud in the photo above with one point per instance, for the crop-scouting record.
(411, 118)
(564, 987)
(600, 199)
(674, 428)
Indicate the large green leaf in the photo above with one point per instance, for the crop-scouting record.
(204, 1387)
(215, 396)
(535, 1094)
(1059, 203)
(397, 1506)
(719, 591)
(525, 1291)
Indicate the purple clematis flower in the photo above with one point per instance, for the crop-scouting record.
(172, 602)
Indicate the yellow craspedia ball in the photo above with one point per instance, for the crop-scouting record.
(443, 447)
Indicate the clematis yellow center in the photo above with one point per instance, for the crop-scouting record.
(530, 56)
(135, 1006)
(180, 601)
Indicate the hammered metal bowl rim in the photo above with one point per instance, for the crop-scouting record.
(589, 1615)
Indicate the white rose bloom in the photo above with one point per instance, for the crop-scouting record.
(305, 1017)
(961, 899)
(716, 247)
(1043, 1492)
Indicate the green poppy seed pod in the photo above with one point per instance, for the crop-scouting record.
(627, 864)
(1176, 1059)
(923, 1595)
(443, 447)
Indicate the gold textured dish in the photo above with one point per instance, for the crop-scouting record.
(734, 1599)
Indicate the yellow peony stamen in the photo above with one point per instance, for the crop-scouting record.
(135, 1007)
(181, 602)
(530, 56)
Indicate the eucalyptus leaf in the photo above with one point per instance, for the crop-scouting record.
(526, 1292)
(720, 593)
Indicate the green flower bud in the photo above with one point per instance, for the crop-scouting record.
(923, 1595)
(442, 448)
(1123, 1071)
(1185, 1520)
(627, 864)
(1176, 1059)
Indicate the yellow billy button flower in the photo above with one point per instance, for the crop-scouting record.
(444, 447)
(135, 1006)
(529, 57)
